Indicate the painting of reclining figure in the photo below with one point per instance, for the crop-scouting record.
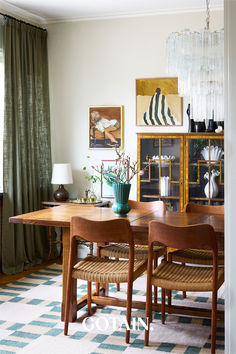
(105, 127)
(158, 102)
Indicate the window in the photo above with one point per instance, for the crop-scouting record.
(1, 118)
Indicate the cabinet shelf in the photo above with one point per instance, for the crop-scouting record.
(204, 198)
(162, 163)
(156, 180)
(158, 196)
(207, 163)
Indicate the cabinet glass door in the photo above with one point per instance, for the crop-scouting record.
(205, 170)
(162, 159)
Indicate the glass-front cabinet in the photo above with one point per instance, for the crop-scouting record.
(181, 167)
(161, 158)
(204, 169)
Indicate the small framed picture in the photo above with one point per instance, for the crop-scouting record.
(158, 103)
(105, 127)
(106, 188)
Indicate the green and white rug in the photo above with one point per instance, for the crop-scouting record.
(30, 321)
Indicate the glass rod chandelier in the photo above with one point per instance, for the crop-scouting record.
(197, 59)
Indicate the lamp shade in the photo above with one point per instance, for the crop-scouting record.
(62, 173)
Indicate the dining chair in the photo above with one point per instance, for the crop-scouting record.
(173, 276)
(193, 256)
(98, 269)
(118, 251)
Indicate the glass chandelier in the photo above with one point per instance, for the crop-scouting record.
(197, 59)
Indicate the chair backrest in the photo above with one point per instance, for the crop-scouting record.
(204, 209)
(193, 236)
(157, 206)
(117, 230)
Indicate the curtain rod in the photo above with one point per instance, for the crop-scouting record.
(21, 21)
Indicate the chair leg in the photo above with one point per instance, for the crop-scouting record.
(128, 310)
(98, 255)
(163, 302)
(155, 264)
(169, 297)
(169, 293)
(148, 314)
(89, 296)
(69, 285)
(97, 288)
(184, 292)
(213, 321)
(67, 307)
(117, 285)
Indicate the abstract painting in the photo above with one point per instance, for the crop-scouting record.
(158, 102)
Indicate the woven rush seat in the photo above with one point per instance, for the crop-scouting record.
(193, 256)
(174, 276)
(103, 270)
(118, 250)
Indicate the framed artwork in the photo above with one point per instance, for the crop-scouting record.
(105, 127)
(158, 102)
(106, 189)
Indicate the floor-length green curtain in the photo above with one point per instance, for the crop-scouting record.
(27, 146)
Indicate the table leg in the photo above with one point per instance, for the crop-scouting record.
(49, 241)
(65, 258)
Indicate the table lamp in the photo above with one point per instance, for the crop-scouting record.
(62, 174)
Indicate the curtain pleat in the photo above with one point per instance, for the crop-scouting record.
(27, 146)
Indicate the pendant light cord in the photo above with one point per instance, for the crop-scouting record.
(207, 14)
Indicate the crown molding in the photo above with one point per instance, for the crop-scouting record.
(37, 19)
(13, 10)
(132, 14)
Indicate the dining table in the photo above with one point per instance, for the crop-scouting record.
(60, 216)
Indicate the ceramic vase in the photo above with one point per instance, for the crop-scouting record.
(121, 195)
(215, 151)
(214, 189)
(165, 186)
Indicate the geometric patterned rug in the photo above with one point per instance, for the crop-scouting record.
(30, 321)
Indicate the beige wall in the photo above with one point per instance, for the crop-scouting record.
(230, 176)
(96, 63)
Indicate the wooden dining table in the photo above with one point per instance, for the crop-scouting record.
(60, 216)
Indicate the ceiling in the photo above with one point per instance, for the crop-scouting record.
(69, 10)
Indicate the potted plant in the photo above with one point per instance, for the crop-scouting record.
(120, 176)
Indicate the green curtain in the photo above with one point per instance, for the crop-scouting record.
(27, 146)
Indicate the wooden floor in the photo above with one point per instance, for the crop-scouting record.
(5, 279)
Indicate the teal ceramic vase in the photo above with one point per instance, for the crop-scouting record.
(121, 194)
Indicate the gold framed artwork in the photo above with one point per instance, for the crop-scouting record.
(158, 102)
(105, 127)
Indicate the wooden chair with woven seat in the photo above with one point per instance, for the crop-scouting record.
(141, 252)
(192, 256)
(173, 276)
(102, 270)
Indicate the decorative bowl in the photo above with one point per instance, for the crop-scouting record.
(216, 153)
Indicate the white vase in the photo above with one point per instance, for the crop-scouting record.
(165, 186)
(214, 189)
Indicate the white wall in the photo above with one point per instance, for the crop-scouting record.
(96, 63)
